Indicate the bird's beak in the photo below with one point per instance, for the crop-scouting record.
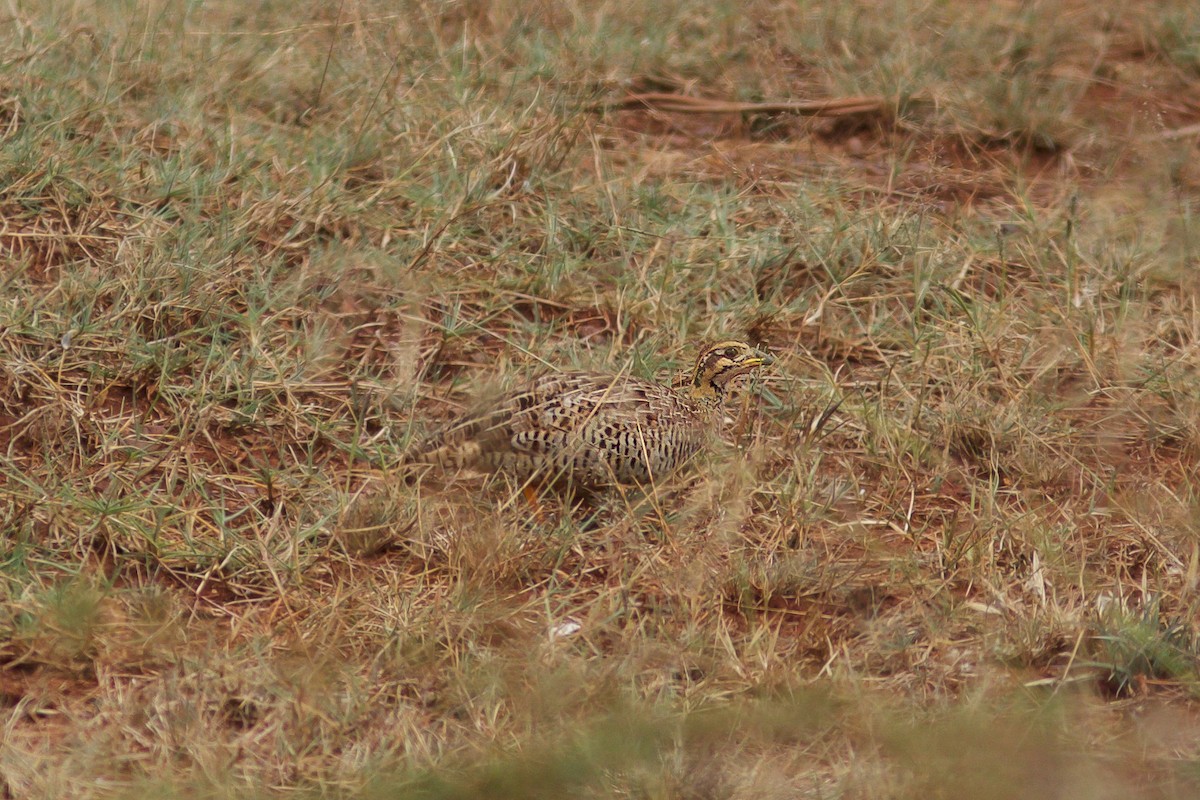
(759, 359)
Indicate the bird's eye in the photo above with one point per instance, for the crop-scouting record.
(730, 352)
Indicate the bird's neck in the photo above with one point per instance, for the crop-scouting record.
(707, 395)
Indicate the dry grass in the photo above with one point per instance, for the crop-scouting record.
(950, 548)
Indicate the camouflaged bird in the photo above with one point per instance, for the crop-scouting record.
(592, 430)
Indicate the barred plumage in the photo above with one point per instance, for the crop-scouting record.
(592, 429)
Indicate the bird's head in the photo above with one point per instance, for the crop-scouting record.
(720, 363)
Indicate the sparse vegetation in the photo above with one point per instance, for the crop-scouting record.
(251, 249)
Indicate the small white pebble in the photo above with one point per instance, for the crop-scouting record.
(567, 627)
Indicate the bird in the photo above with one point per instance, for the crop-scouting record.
(592, 430)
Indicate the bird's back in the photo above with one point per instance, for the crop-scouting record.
(576, 427)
